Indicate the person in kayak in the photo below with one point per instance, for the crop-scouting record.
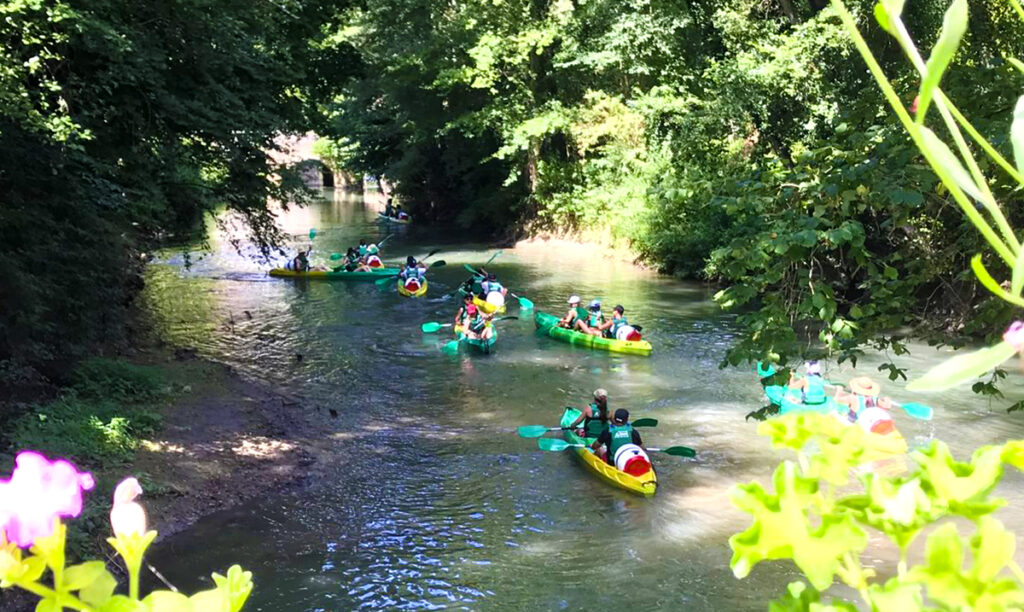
(492, 292)
(413, 269)
(399, 213)
(479, 324)
(389, 209)
(301, 261)
(352, 263)
(594, 417)
(618, 433)
(594, 320)
(866, 408)
(575, 313)
(373, 259)
(361, 249)
(811, 386)
(619, 328)
(463, 313)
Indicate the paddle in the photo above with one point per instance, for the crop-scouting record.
(385, 239)
(437, 264)
(556, 445)
(536, 431)
(524, 304)
(433, 326)
(914, 410)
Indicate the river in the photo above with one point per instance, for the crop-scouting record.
(437, 503)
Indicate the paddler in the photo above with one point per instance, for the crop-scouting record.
(492, 291)
(618, 327)
(615, 436)
(362, 247)
(352, 263)
(389, 209)
(812, 386)
(413, 269)
(301, 261)
(865, 407)
(479, 326)
(463, 313)
(594, 417)
(594, 320)
(372, 257)
(576, 312)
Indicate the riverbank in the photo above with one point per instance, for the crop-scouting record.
(583, 245)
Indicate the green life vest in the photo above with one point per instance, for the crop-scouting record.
(594, 425)
(814, 393)
(581, 313)
(362, 250)
(616, 324)
(477, 325)
(621, 436)
(594, 319)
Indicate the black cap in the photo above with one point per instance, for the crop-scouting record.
(492, 276)
(619, 309)
(410, 260)
(621, 415)
(468, 297)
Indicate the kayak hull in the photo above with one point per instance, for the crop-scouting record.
(384, 217)
(646, 484)
(484, 346)
(376, 274)
(488, 307)
(405, 292)
(549, 324)
(879, 446)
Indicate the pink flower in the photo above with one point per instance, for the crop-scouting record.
(1014, 335)
(38, 492)
(127, 517)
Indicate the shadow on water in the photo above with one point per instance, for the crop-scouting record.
(432, 500)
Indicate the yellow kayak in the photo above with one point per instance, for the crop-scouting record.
(417, 293)
(375, 274)
(646, 484)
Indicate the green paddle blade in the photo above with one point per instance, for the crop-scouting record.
(451, 348)
(525, 304)
(645, 423)
(312, 233)
(678, 451)
(431, 327)
(440, 263)
(335, 256)
(382, 281)
(918, 411)
(508, 318)
(532, 431)
(471, 269)
(554, 444)
(491, 259)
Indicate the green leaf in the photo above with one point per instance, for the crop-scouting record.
(962, 368)
(237, 585)
(80, 576)
(941, 571)
(48, 605)
(887, 11)
(1017, 284)
(954, 24)
(168, 601)
(120, 603)
(951, 163)
(798, 598)
(214, 600)
(991, 284)
(99, 590)
(956, 483)
(1019, 65)
(895, 595)
(1017, 134)
(992, 547)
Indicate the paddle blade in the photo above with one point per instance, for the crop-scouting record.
(918, 411)
(312, 233)
(552, 444)
(525, 304)
(440, 263)
(678, 451)
(491, 259)
(450, 348)
(645, 423)
(431, 327)
(532, 431)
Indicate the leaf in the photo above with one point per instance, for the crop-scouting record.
(1017, 134)
(168, 601)
(214, 600)
(954, 24)
(991, 284)
(950, 163)
(895, 595)
(48, 605)
(1019, 65)
(78, 577)
(120, 603)
(886, 11)
(992, 547)
(959, 484)
(941, 571)
(962, 368)
(1018, 271)
(100, 590)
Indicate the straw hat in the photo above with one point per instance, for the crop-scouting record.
(862, 385)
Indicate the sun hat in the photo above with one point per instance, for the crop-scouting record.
(862, 385)
(814, 367)
(574, 299)
(600, 393)
(621, 415)
(595, 304)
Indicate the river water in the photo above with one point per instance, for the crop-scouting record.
(437, 503)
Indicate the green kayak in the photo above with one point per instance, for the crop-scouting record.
(548, 324)
(484, 346)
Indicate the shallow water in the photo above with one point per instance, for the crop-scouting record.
(439, 503)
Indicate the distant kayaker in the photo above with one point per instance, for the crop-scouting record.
(399, 213)
(812, 386)
(389, 209)
(575, 313)
(594, 320)
(865, 407)
(618, 434)
(594, 417)
(352, 263)
(373, 257)
(362, 247)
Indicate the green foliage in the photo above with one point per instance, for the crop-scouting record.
(815, 518)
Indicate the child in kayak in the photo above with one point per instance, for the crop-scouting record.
(619, 328)
(865, 407)
(812, 386)
(594, 417)
(479, 324)
(492, 292)
(462, 314)
(615, 436)
(352, 263)
(594, 320)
